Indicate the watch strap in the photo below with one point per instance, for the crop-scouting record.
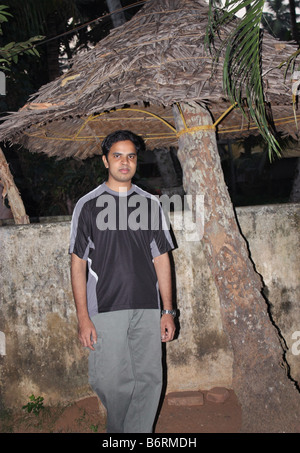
(170, 312)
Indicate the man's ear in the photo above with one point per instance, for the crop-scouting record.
(105, 161)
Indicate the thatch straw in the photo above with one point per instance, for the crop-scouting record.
(156, 59)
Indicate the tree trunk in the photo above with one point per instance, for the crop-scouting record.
(15, 201)
(166, 167)
(52, 48)
(119, 17)
(295, 192)
(269, 399)
(293, 16)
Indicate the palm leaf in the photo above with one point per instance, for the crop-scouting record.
(242, 78)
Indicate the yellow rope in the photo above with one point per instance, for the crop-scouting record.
(205, 127)
(141, 111)
(191, 130)
(224, 114)
(186, 130)
(89, 118)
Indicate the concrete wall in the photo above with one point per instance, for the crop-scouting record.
(39, 351)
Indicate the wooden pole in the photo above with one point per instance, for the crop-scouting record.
(14, 198)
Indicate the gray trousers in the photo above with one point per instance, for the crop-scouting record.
(125, 370)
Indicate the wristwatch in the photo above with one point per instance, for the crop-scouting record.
(170, 312)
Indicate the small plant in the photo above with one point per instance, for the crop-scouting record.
(35, 405)
(94, 428)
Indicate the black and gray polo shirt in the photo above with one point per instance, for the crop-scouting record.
(119, 234)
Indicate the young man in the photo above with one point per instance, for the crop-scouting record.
(120, 266)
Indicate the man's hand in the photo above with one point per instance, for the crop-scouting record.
(86, 330)
(167, 327)
(163, 272)
(87, 334)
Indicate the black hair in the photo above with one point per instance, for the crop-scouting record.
(119, 136)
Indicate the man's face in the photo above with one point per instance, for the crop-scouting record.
(121, 163)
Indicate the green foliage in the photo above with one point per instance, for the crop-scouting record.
(35, 405)
(10, 52)
(279, 23)
(242, 77)
(277, 19)
(94, 428)
(3, 16)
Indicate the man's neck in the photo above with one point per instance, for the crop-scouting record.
(118, 186)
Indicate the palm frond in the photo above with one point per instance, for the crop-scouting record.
(242, 76)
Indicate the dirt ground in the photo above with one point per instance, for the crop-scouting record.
(178, 414)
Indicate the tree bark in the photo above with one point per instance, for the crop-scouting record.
(166, 168)
(295, 192)
(293, 15)
(117, 18)
(269, 399)
(52, 48)
(14, 198)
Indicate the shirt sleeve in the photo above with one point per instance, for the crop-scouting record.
(161, 239)
(80, 232)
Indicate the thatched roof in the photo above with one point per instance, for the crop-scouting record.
(132, 78)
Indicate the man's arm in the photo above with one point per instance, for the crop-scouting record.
(163, 272)
(86, 329)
